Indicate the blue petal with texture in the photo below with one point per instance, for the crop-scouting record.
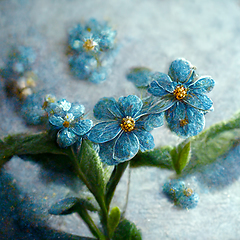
(151, 121)
(146, 140)
(185, 120)
(106, 152)
(77, 110)
(199, 101)
(66, 138)
(181, 70)
(56, 121)
(126, 147)
(131, 105)
(104, 132)
(107, 108)
(203, 85)
(82, 127)
(162, 83)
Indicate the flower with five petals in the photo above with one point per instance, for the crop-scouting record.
(185, 95)
(125, 129)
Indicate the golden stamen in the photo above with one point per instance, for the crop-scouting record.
(128, 124)
(183, 122)
(180, 92)
(89, 45)
(66, 124)
(188, 192)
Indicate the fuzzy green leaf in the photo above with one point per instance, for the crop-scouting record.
(159, 157)
(92, 169)
(127, 230)
(181, 156)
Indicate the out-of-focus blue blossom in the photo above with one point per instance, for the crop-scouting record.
(66, 117)
(32, 110)
(180, 195)
(140, 76)
(92, 49)
(186, 97)
(20, 60)
(125, 128)
(172, 187)
(187, 199)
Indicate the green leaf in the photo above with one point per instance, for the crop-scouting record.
(113, 220)
(127, 230)
(19, 144)
(159, 157)
(209, 146)
(70, 205)
(91, 167)
(181, 156)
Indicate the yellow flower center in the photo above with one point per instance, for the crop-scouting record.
(66, 124)
(89, 45)
(183, 122)
(127, 124)
(180, 92)
(188, 192)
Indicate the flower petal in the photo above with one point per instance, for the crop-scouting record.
(146, 140)
(200, 101)
(149, 122)
(203, 85)
(64, 104)
(185, 120)
(82, 127)
(126, 147)
(104, 132)
(161, 85)
(107, 108)
(152, 105)
(131, 105)
(66, 138)
(77, 110)
(106, 152)
(181, 71)
(56, 121)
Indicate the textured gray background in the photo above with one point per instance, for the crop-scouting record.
(151, 34)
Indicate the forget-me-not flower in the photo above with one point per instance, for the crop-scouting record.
(125, 128)
(67, 118)
(185, 95)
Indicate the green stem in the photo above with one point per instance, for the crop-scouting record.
(90, 223)
(113, 182)
(127, 195)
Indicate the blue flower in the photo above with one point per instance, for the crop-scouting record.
(67, 119)
(92, 50)
(180, 195)
(125, 128)
(185, 95)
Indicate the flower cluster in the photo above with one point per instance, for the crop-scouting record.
(181, 195)
(67, 119)
(92, 50)
(125, 128)
(184, 93)
(21, 82)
